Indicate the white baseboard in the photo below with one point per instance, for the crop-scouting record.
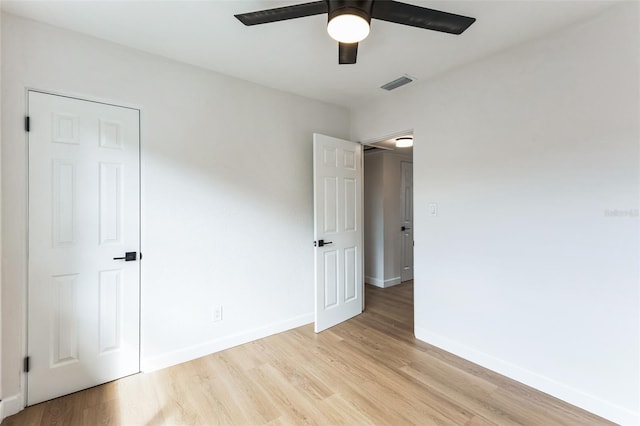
(197, 351)
(374, 281)
(383, 283)
(10, 406)
(392, 281)
(559, 390)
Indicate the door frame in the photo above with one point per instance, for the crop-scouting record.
(371, 142)
(25, 264)
(403, 164)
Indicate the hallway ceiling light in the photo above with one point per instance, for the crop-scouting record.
(404, 142)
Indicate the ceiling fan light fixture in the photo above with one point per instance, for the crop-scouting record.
(404, 142)
(348, 20)
(348, 28)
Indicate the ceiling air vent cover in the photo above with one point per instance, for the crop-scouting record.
(397, 83)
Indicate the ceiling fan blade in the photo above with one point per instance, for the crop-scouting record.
(347, 53)
(283, 13)
(421, 17)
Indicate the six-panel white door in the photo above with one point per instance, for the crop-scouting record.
(406, 212)
(84, 211)
(337, 176)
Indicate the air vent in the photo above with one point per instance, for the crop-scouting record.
(397, 83)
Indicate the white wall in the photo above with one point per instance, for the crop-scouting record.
(226, 191)
(1, 393)
(529, 153)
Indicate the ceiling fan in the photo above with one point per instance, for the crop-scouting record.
(348, 20)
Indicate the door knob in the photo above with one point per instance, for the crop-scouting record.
(404, 228)
(321, 243)
(128, 256)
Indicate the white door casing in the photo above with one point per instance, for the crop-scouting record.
(338, 219)
(84, 211)
(406, 212)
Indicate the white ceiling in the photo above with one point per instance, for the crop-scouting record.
(298, 55)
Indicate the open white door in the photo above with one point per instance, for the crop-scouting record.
(337, 183)
(84, 214)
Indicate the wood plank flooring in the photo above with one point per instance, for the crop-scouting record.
(369, 370)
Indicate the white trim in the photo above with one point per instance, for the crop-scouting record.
(11, 405)
(387, 137)
(361, 224)
(200, 350)
(559, 390)
(392, 281)
(383, 283)
(374, 281)
(82, 97)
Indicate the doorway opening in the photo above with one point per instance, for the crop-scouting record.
(388, 220)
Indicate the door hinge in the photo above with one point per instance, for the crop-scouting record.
(26, 364)
(27, 124)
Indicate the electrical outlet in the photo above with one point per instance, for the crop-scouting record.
(216, 313)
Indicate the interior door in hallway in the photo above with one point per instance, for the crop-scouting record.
(338, 220)
(84, 215)
(406, 212)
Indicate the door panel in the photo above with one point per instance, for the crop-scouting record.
(338, 221)
(64, 341)
(331, 280)
(110, 306)
(84, 197)
(64, 189)
(111, 189)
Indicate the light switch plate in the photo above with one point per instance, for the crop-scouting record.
(433, 209)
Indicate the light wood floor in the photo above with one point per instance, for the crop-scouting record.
(369, 370)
